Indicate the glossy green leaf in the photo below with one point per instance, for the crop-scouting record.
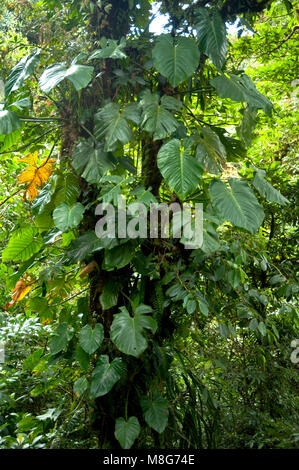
(110, 50)
(155, 412)
(237, 204)
(127, 431)
(267, 190)
(66, 217)
(212, 35)
(118, 257)
(181, 171)
(105, 375)
(82, 357)
(67, 190)
(248, 124)
(176, 59)
(22, 245)
(109, 296)
(83, 247)
(90, 339)
(210, 151)
(240, 88)
(91, 161)
(60, 339)
(79, 75)
(128, 333)
(21, 71)
(157, 118)
(112, 123)
(80, 386)
(9, 122)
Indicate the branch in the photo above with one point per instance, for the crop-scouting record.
(281, 43)
(29, 143)
(69, 298)
(8, 197)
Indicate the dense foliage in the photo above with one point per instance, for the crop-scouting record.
(140, 342)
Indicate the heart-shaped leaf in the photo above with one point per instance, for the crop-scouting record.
(181, 171)
(155, 412)
(66, 217)
(105, 376)
(176, 59)
(79, 75)
(62, 335)
(128, 333)
(127, 431)
(90, 339)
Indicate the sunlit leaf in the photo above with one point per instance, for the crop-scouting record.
(36, 175)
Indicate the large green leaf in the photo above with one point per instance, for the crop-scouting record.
(157, 117)
(175, 58)
(83, 247)
(210, 151)
(249, 121)
(127, 431)
(8, 140)
(237, 204)
(181, 171)
(22, 245)
(105, 376)
(118, 256)
(43, 202)
(210, 239)
(79, 75)
(80, 386)
(155, 412)
(91, 161)
(240, 88)
(9, 122)
(109, 295)
(90, 339)
(111, 191)
(66, 217)
(267, 190)
(112, 124)
(110, 50)
(212, 35)
(67, 189)
(21, 71)
(82, 357)
(127, 333)
(61, 336)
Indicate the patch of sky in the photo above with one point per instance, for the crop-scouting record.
(159, 23)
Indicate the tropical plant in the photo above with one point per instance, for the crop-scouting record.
(152, 343)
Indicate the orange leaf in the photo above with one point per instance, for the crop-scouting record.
(35, 175)
(19, 292)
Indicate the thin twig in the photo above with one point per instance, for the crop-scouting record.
(30, 143)
(8, 197)
(70, 298)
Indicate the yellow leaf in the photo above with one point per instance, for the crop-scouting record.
(35, 175)
(31, 159)
(21, 289)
